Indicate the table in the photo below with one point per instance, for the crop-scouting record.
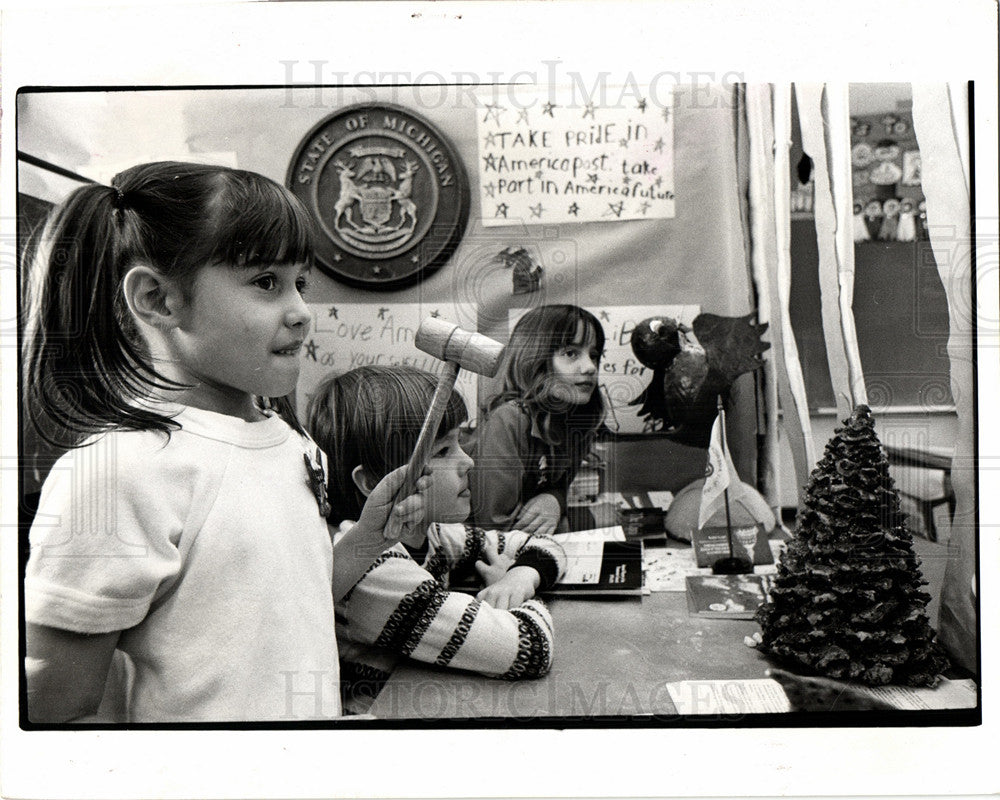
(613, 658)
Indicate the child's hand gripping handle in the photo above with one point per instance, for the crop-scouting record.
(459, 349)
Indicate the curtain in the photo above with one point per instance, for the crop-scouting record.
(825, 123)
(940, 121)
(768, 116)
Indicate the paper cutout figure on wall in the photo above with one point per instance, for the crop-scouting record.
(689, 374)
(873, 218)
(890, 220)
(860, 229)
(906, 230)
(527, 275)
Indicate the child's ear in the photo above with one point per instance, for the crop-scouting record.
(152, 297)
(360, 478)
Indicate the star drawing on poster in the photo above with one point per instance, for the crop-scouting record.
(536, 211)
(501, 210)
(592, 177)
(522, 116)
(574, 209)
(490, 188)
(658, 147)
(548, 108)
(644, 208)
(604, 316)
(381, 312)
(333, 312)
(615, 208)
(493, 110)
(435, 313)
(491, 162)
(588, 111)
(623, 143)
(641, 105)
(311, 350)
(491, 139)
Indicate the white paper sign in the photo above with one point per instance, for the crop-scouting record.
(348, 335)
(549, 156)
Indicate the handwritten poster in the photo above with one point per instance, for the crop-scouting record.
(622, 376)
(548, 156)
(348, 335)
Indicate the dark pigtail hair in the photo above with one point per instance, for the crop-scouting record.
(86, 368)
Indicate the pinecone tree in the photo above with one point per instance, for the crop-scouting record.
(846, 601)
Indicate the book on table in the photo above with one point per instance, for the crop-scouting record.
(749, 541)
(599, 562)
(726, 596)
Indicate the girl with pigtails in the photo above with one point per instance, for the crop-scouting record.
(185, 524)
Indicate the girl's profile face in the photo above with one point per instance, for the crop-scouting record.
(573, 367)
(240, 334)
(448, 498)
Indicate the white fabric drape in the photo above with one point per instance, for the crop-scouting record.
(768, 115)
(940, 121)
(824, 120)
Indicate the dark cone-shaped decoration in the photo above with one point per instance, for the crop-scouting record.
(847, 601)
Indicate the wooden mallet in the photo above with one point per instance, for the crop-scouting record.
(459, 349)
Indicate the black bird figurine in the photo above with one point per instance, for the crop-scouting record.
(690, 372)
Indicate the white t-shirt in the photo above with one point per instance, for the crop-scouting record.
(209, 553)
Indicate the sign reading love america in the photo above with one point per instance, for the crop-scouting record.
(549, 156)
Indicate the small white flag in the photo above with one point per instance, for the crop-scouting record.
(720, 473)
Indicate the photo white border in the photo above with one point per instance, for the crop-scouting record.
(244, 44)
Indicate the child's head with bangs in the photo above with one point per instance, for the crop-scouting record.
(371, 417)
(86, 362)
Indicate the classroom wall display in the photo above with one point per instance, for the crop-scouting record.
(885, 172)
(546, 157)
(348, 335)
(622, 376)
(697, 257)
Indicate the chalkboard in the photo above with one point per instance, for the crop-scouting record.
(348, 335)
(901, 317)
(622, 376)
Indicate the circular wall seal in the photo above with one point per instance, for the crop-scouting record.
(388, 193)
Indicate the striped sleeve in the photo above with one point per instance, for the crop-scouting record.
(399, 607)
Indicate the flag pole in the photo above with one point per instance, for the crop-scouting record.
(734, 565)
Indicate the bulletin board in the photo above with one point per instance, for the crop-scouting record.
(622, 376)
(348, 335)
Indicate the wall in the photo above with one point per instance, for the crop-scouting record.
(695, 258)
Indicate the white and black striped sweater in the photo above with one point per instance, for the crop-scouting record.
(402, 607)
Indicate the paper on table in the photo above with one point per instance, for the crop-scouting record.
(583, 552)
(738, 696)
(613, 533)
(947, 694)
(666, 568)
(765, 696)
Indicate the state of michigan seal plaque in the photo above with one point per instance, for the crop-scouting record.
(388, 193)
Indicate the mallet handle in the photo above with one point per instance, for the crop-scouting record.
(428, 433)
